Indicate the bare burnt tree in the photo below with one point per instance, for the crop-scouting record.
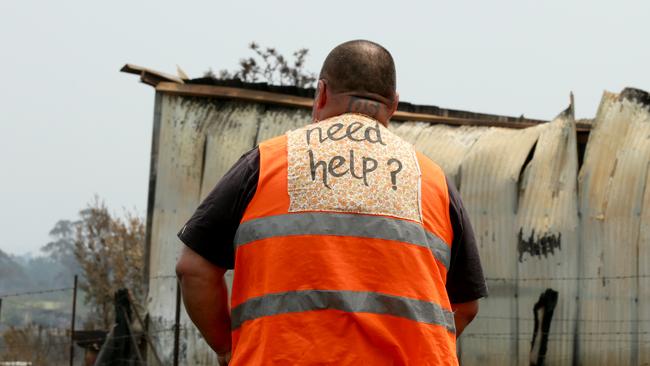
(35, 344)
(270, 66)
(110, 251)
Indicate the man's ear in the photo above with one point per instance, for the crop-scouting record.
(321, 94)
(320, 99)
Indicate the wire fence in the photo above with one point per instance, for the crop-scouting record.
(63, 343)
(610, 338)
(568, 278)
(23, 339)
(36, 292)
(153, 333)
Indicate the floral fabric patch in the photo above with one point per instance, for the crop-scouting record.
(352, 163)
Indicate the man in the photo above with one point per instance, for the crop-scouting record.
(350, 247)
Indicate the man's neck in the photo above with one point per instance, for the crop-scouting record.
(353, 104)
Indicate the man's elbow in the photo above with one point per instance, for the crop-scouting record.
(191, 264)
(472, 313)
(465, 312)
(470, 310)
(183, 265)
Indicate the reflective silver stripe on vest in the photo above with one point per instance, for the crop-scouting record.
(349, 301)
(365, 226)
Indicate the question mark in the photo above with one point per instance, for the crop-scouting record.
(393, 174)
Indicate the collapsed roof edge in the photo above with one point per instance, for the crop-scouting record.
(302, 98)
(150, 76)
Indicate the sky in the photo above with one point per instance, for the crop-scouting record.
(72, 126)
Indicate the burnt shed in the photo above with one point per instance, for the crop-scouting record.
(559, 205)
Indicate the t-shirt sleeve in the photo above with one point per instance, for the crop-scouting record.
(465, 281)
(211, 230)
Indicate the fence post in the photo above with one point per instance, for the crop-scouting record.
(146, 332)
(177, 319)
(74, 315)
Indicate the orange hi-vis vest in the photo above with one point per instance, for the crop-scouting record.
(342, 254)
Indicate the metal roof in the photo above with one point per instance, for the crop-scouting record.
(303, 98)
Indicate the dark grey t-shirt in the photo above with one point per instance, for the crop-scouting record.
(211, 230)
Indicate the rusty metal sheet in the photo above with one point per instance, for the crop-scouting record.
(489, 187)
(547, 249)
(199, 142)
(612, 188)
(644, 273)
(448, 146)
(231, 130)
(445, 145)
(277, 121)
(409, 131)
(179, 169)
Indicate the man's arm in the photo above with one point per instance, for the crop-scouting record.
(206, 298)
(465, 281)
(208, 251)
(464, 313)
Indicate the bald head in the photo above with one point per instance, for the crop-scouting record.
(360, 68)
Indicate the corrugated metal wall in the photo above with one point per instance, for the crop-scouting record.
(613, 183)
(538, 224)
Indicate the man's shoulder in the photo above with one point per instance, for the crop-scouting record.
(251, 157)
(247, 165)
(429, 166)
(273, 141)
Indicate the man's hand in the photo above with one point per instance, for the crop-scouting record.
(463, 314)
(206, 298)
